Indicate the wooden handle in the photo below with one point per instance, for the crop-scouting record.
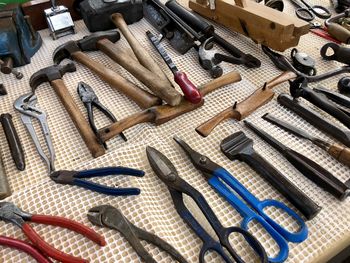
(142, 98)
(160, 87)
(78, 119)
(5, 190)
(338, 32)
(229, 78)
(285, 76)
(141, 54)
(164, 113)
(342, 154)
(116, 128)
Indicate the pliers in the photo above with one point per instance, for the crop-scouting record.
(111, 217)
(90, 99)
(12, 214)
(75, 178)
(25, 247)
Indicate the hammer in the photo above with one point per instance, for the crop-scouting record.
(53, 75)
(73, 49)
(146, 74)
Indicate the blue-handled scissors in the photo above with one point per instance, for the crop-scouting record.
(308, 13)
(220, 179)
(76, 178)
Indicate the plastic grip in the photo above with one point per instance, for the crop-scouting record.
(48, 249)
(25, 247)
(71, 225)
(98, 172)
(190, 91)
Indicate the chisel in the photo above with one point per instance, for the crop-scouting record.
(191, 93)
(342, 154)
(306, 166)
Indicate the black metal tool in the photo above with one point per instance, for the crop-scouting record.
(334, 96)
(90, 99)
(239, 147)
(344, 86)
(207, 30)
(342, 154)
(13, 140)
(191, 93)
(303, 62)
(299, 88)
(306, 166)
(314, 118)
(177, 187)
(111, 217)
(333, 51)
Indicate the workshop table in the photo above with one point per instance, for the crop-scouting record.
(153, 210)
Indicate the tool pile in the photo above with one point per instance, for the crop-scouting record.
(150, 81)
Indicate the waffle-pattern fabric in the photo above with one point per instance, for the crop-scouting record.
(153, 210)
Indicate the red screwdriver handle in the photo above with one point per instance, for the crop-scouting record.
(190, 91)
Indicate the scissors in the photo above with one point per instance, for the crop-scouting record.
(220, 179)
(177, 187)
(308, 13)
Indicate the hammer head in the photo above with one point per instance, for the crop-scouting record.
(88, 43)
(49, 74)
(236, 145)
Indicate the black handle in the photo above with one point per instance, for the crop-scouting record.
(314, 118)
(317, 174)
(325, 104)
(194, 21)
(293, 194)
(339, 53)
(13, 141)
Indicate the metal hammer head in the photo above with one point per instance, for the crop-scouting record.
(88, 43)
(49, 74)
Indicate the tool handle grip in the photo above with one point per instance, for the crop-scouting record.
(317, 174)
(13, 141)
(71, 225)
(338, 32)
(190, 91)
(5, 190)
(24, 246)
(342, 154)
(48, 249)
(293, 194)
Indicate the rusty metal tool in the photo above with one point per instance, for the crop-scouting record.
(111, 217)
(7, 68)
(26, 105)
(10, 213)
(306, 166)
(239, 147)
(190, 91)
(178, 187)
(342, 154)
(13, 140)
(164, 113)
(74, 50)
(53, 75)
(334, 96)
(314, 118)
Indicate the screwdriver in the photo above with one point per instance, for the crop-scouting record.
(342, 154)
(191, 93)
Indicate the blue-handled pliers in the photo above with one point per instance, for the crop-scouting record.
(227, 186)
(76, 178)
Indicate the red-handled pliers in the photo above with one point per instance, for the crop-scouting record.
(11, 213)
(25, 247)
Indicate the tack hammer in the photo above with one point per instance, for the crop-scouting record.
(53, 75)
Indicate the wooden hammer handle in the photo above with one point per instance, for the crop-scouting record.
(142, 98)
(78, 119)
(142, 55)
(342, 154)
(160, 87)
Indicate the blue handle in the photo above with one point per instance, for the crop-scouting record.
(106, 189)
(249, 215)
(109, 171)
(260, 205)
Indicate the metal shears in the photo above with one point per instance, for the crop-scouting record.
(177, 187)
(308, 13)
(221, 180)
